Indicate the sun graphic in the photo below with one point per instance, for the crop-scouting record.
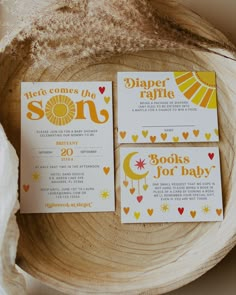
(199, 87)
(105, 194)
(36, 176)
(165, 207)
(60, 110)
(206, 209)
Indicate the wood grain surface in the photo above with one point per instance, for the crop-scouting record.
(93, 253)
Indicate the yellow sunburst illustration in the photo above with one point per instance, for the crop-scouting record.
(198, 87)
(206, 209)
(165, 207)
(36, 176)
(105, 194)
(60, 110)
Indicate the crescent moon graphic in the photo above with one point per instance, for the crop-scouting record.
(128, 171)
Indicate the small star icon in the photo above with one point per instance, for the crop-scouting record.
(140, 164)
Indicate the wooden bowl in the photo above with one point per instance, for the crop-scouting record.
(90, 253)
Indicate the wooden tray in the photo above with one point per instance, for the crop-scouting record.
(95, 253)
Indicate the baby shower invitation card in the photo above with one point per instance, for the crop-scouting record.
(66, 147)
(167, 107)
(170, 184)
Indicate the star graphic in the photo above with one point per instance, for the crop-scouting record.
(140, 164)
(36, 176)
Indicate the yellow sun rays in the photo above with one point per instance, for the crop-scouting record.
(198, 87)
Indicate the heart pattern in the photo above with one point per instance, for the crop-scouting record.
(139, 199)
(106, 170)
(26, 187)
(152, 139)
(185, 135)
(137, 215)
(134, 138)
(132, 190)
(211, 155)
(193, 214)
(208, 136)
(101, 89)
(150, 212)
(163, 136)
(107, 99)
(196, 133)
(125, 183)
(218, 212)
(145, 133)
(175, 138)
(216, 132)
(126, 210)
(145, 186)
(122, 134)
(181, 210)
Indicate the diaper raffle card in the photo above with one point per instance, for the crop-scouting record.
(167, 107)
(66, 147)
(170, 185)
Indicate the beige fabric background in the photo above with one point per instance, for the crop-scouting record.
(221, 13)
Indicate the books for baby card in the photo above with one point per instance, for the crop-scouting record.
(167, 107)
(66, 147)
(170, 184)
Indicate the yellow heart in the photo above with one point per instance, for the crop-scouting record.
(145, 133)
(145, 187)
(175, 138)
(193, 213)
(216, 132)
(122, 134)
(164, 136)
(107, 99)
(208, 136)
(150, 211)
(135, 138)
(137, 215)
(106, 170)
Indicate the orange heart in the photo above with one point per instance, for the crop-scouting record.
(193, 213)
(185, 135)
(26, 187)
(135, 138)
(164, 136)
(137, 215)
(219, 212)
(153, 139)
(150, 211)
(106, 170)
(175, 138)
(132, 190)
(122, 134)
(196, 132)
(126, 210)
(145, 133)
(126, 183)
(208, 136)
